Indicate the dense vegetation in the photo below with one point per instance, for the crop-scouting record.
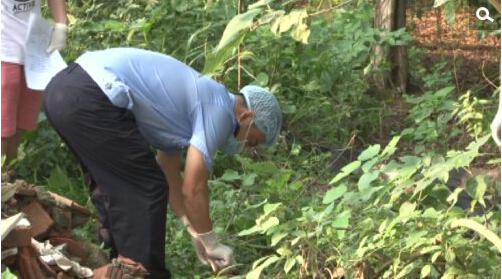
(304, 209)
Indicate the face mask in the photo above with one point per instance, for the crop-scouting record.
(233, 146)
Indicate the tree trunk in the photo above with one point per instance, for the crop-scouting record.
(390, 15)
(400, 70)
(384, 20)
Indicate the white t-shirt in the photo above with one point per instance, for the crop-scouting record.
(15, 15)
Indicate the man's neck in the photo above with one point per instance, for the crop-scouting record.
(239, 106)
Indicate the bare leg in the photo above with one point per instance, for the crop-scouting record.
(10, 145)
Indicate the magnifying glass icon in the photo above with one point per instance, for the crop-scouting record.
(486, 14)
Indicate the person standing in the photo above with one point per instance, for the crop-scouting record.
(20, 104)
(111, 106)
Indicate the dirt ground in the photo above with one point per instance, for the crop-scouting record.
(473, 56)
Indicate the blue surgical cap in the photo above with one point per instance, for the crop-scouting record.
(268, 116)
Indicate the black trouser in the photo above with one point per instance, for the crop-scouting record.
(127, 185)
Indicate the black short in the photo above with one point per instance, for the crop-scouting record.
(133, 193)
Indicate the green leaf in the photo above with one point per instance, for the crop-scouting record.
(407, 131)
(291, 19)
(328, 210)
(435, 256)
(262, 79)
(369, 164)
(270, 207)
(261, 226)
(290, 262)
(476, 187)
(383, 225)
(366, 179)
(277, 237)
(439, 3)
(453, 197)
(449, 256)
(407, 269)
(426, 270)
(214, 60)
(301, 33)
(252, 230)
(415, 238)
(113, 25)
(342, 221)
(258, 4)
(410, 161)
(255, 273)
(348, 169)
(431, 213)
(294, 22)
(369, 152)
(58, 180)
(8, 275)
(235, 27)
(295, 149)
(368, 192)
(259, 204)
(444, 91)
(249, 179)
(407, 210)
(288, 109)
(233, 35)
(334, 193)
(230, 175)
(284, 252)
(429, 249)
(271, 222)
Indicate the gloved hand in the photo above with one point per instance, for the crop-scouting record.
(58, 37)
(216, 252)
(197, 244)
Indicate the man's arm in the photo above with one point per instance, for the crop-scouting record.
(58, 10)
(188, 196)
(170, 164)
(195, 191)
(60, 30)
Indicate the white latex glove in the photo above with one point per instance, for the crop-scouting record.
(58, 37)
(197, 244)
(218, 253)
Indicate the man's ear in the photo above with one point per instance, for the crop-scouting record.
(246, 115)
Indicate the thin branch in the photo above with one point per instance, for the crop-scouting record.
(330, 9)
(455, 69)
(455, 46)
(486, 78)
(238, 53)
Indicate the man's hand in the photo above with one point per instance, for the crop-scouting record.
(218, 253)
(58, 38)
(197, 244)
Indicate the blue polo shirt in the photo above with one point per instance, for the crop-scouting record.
(173, 104)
